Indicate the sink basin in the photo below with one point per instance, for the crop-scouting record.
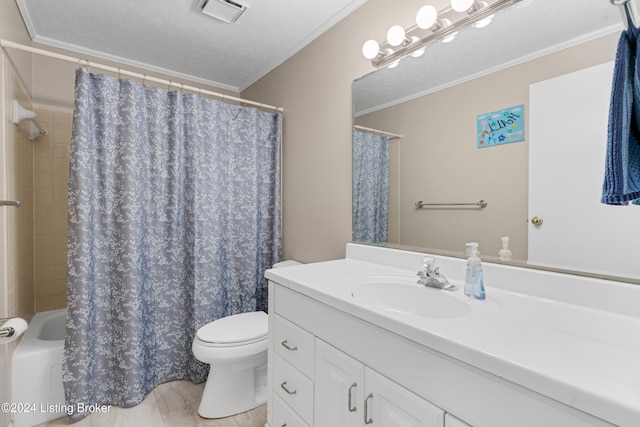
(409, 298)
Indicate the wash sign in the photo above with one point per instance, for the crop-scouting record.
(501, 127)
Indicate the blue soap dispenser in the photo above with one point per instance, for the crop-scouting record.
(474, 284)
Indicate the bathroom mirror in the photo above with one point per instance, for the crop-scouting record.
(434, 101)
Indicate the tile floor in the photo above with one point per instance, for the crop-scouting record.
(172, 404)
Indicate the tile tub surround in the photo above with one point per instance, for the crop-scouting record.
(171, 404)
(50, 181)
(565, 337)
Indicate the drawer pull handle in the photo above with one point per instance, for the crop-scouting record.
(352, 409)
(284, 425)
(366, 410)
(285, 345)
(286, 389)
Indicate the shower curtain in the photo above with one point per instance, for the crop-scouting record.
(174, 214)
(370, 187)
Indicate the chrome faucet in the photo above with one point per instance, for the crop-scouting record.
(431, 276)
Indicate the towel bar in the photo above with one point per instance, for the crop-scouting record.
(481, 204)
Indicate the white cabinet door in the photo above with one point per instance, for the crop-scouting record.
(390, 405)
(339, 388)
(451, 421)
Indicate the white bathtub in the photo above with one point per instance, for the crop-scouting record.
(37, 370)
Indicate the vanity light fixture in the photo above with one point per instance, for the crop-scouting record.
(431, 26)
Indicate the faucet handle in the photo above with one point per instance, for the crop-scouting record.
(429, 262)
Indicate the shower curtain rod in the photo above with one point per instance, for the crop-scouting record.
(13, 45)
(389, 134)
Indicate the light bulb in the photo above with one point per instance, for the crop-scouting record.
(462, 5)
(370, 49)
(418, 53)
(483, 22)
(393, 64)
(395, 35)
(426, 17)
(450, 37)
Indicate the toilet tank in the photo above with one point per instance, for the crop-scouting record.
(288, 263)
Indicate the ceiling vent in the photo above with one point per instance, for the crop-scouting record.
(225, 10)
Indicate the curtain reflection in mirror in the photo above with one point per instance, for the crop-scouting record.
(370, 187)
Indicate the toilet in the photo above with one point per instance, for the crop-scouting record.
(236, 348)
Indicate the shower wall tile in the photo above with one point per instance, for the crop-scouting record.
(51, 176)
(17, 184)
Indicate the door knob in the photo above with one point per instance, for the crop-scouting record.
(537, 221)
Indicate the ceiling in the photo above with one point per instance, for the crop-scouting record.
(522, 32)
(174, 37)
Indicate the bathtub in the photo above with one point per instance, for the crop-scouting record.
(36, 387)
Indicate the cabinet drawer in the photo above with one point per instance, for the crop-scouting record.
(294, 344)
(294, 389)
(283, 416)
(451, 421)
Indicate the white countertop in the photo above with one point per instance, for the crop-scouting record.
(586, 356)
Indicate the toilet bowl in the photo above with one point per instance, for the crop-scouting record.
(236, 348)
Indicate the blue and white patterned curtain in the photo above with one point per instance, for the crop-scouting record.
(370, 187)
(174, 215)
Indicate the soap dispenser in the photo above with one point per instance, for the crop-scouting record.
(474, 284)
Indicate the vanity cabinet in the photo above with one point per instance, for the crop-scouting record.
(451, 421)
(315, 384)
(347, 393)
(329, 368)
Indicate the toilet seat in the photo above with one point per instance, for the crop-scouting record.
(236, 330)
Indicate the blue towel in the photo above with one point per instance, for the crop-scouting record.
(622, 168)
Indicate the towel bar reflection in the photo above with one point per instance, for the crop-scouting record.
(15, 203)
(481, 204)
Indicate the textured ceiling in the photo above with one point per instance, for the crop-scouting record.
(524, 31)
(174, 37)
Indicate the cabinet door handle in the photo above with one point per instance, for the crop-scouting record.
(352, 409)
(285, 345)
(283, 385)
(366, 410)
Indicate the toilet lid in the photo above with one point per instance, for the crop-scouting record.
(238, 328)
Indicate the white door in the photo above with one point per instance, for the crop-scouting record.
(567, 146)
(390, 405)
(339, 388)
